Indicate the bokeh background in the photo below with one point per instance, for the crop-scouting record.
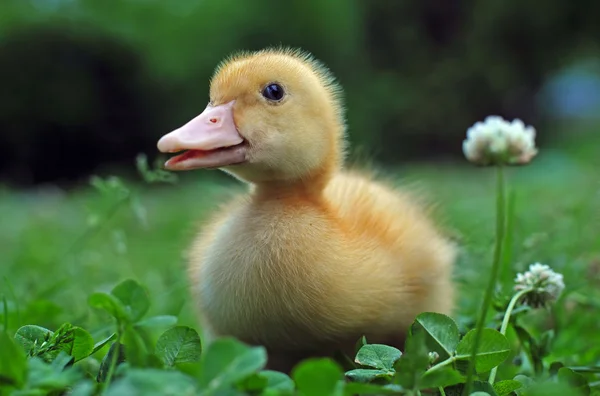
(87, 85)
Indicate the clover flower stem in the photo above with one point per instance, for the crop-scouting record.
(505, 323)
(444, 363)
(506, 275)
(500, 231)
(442, 393)
(113, 363)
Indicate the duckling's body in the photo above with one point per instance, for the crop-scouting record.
(313, 257)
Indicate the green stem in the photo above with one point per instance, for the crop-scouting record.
(442, 393)
(500, 230)
(113, 362)
(441, 364)
(505, 323)
(594, 369)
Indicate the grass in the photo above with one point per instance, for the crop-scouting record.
(52, 259)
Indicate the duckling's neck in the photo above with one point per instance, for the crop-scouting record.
(305, 189)
(309, 186)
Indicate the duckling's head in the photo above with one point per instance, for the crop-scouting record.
(273, 115)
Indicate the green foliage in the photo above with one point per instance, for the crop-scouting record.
(493, 350)
(37, 341)
(378, 356)
(504, 388)
(431, 332)
(68, 327)
(441, 333)
(12, 363)
(153, 382)
(135, 365)
(179, 344)
(319, 377)
(226, 362)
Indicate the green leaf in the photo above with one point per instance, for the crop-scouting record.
(108, 303)
(75, 341)
(153, 382)
(62, 360)
(504, 388)
(413, 363)
(445, 376)
(441, 333)
(52, 378)
(180, 344)
(158, 321)
(252, 384)
(133, 297)
(29, 335)
(525, 382)
(100, 344)
(493, 349)
(531, 347)
(368, 375)
(277, 380)
(83, 388)
(318, 377)
(12, 362)
(573, 379)
(378, 356)
(81, 345)
(227, 361)
(484, 387)
(356, 388)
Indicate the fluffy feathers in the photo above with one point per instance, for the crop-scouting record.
(313, 256)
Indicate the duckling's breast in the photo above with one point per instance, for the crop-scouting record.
(265, 277)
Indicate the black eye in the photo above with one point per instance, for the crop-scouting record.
(273, 92)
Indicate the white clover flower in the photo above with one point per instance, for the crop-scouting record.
(497, 141)
(546, 285)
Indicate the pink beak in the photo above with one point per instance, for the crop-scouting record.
(211, 138)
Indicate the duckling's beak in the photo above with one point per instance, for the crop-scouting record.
(211, 140)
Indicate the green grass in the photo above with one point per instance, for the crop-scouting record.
(52, 260)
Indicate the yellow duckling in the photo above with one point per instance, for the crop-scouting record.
(313, 256)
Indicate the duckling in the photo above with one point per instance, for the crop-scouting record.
(314, 255)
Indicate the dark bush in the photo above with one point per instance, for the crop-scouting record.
(415, 74)
(72, 98)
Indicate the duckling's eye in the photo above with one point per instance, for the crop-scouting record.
(273, 92)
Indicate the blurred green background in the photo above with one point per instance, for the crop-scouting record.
(86, 85)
